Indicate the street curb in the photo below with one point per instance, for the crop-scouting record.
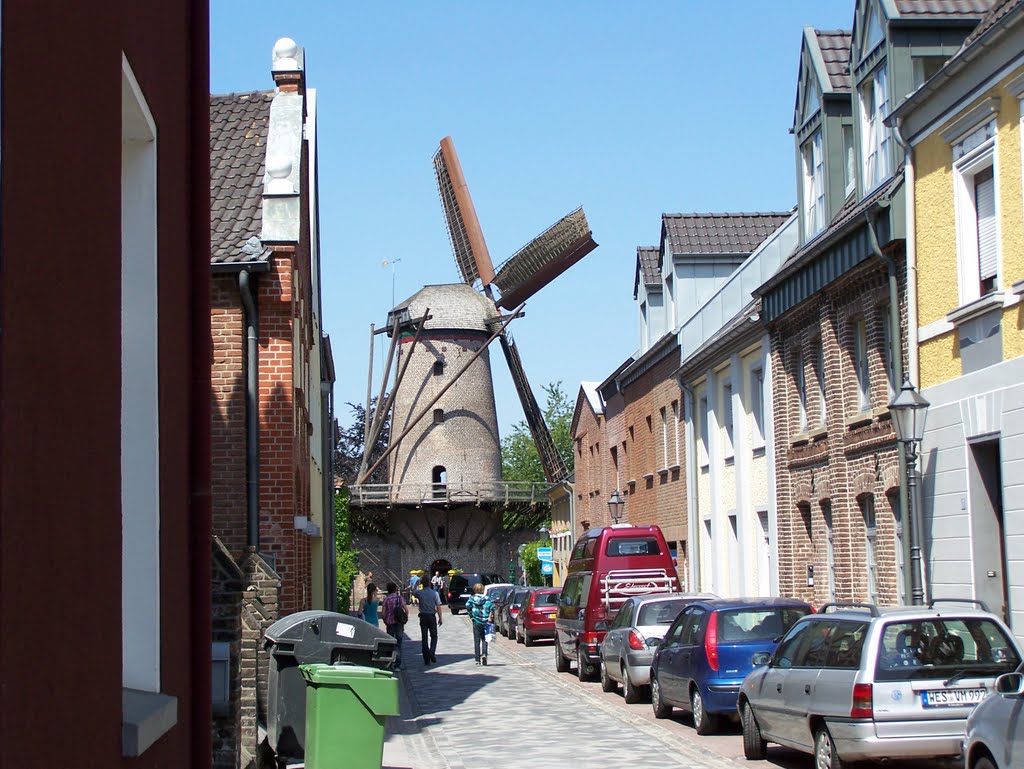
(688, 748)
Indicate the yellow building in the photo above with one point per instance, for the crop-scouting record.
(965, 312)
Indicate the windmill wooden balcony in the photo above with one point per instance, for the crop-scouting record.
(481, 494)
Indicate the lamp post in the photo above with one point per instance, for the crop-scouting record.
(615, 505)
(909, 410)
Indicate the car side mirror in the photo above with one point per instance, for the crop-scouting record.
(1010, 684)
(761, 658)
(652, 642)
(601, 626)
(580, 614)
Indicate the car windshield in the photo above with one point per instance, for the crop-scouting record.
(939, 647)
(546, 599)
(632, 546)
(761, 624)
(660, 612)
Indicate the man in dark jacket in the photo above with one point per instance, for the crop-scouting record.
(395, 616)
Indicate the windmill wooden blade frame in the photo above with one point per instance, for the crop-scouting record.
(544, 258)
(464, 232)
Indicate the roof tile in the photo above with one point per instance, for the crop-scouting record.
(720, 233)
(967, 9)
(835, 51)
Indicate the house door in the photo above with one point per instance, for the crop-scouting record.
(988, 541)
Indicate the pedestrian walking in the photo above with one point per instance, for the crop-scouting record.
(395, 616)
(369, 606)
(481, 611)
(430, 621)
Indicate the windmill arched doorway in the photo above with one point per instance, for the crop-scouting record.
(439, 479)
(441, 567)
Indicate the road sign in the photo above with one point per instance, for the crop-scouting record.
(547, 567)
(544, 553)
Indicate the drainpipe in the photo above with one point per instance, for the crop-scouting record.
(692, 524)
(327, 452)
(909, 177)
(252, 434)
(911, 532)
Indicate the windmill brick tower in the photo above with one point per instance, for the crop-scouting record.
(445, 499)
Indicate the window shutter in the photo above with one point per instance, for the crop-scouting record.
(985, 204)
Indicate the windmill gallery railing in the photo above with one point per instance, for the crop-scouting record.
(505, 493)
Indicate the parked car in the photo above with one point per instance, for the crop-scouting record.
(995, 729)
(510, 610)
(608, 566)
(862, 683)
(628, 647)
(537, 616)
(498, 598)
(460, 588)
(710, 648)
(495, 587)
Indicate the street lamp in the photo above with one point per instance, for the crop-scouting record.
(615, 505)
(909, 410)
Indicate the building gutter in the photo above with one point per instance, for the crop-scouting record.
(252, 433)
(200, 612)
(327, 408)
(911, 254)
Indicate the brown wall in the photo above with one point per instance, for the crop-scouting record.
(60, 370)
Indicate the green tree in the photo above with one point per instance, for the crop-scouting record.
(531, 563)
(346, 558)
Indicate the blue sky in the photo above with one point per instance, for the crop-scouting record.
(630, 109)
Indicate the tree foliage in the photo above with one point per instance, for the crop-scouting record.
(350, 447)
(345, 557)
(531, 563)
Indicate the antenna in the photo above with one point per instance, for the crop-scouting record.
(391, 263)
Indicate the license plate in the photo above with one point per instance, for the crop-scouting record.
(951, 698)
(551, 616)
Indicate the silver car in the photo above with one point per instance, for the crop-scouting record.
(995, 730)
(628, 646)
(862, 683)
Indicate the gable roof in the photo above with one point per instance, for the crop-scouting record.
(238, 139)
(589, 395)
(834, 46)
(999, 11)
(648, 267)
(719, 233)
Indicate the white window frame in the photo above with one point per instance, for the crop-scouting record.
(897, 514)
(140, 392)
(813, 186)
(703, 430)
(728, 423)
(875, 136)
(867, 509)
(965, 169)
(862, 364)
(849, 159)
(676, 419)
(757, 406)
(664, 437)
(801, 392)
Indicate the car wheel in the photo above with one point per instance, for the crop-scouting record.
(984, 763)
(661, 710)
(561, 661)
(754, 746)
(527, 639)
(630, 691)
(825, 755)
(607, 682)
(703, 722)
(583, 671)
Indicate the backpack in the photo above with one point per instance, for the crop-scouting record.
(394, 612)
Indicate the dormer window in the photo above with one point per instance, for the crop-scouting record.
(814, 186)
(875, 135)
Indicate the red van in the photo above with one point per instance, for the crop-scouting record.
(607, 567)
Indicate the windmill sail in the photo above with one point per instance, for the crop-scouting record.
(552, 462)
(467, 239)
(544, 258)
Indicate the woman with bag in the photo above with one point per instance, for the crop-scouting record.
(481, 611)
(395, 617)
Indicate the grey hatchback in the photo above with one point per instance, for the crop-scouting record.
(628, 646)
(862, 683)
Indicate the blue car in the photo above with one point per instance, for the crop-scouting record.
(701, 662)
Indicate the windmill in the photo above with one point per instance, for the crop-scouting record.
(517, 279)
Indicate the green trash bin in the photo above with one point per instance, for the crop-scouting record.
(345, 710)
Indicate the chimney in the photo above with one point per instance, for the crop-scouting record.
(288, 68)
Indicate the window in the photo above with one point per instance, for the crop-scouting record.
(757, 405)
(860, 362)
(705, 446)
(976, 212)
(438, 367)
(875, 135)
(867, 509)
(438, 415)
(847, 645)
(801, 392)
(693, 619)
(830, 550)
(935, 648)
(632, 546)
(671, 309)
(786, 652)
(140, 402)
(925, 67)
(814, 187)
(675, 428)
(727, 418)
(897, 515)
(664, 437)
(850, 156)
(615, 466)
(819, 374)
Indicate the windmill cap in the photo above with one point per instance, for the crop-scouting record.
(453, 306)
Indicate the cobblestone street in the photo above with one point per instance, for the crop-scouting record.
(518, 711)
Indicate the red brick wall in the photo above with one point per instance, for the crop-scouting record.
(839, 465)
(590, 490)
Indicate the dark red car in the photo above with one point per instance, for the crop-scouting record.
(537, 617)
